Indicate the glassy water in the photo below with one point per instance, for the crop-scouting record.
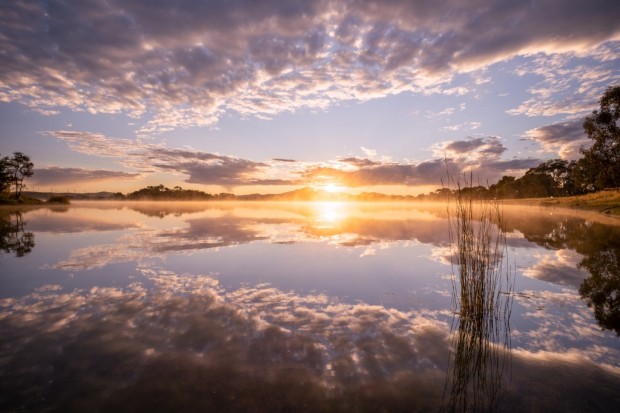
(299, 307)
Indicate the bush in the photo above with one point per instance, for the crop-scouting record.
(59, 199)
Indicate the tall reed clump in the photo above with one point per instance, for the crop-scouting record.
(482, 300)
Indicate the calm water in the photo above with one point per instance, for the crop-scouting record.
(299, 307)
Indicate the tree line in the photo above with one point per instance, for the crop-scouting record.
(597, 169)
(162, 193)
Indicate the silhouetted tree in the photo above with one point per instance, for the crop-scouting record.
(555, 176)
(602, 159)
(18, 167)
(5, 182)
(160, 192)
(507, 187)
(582, 177)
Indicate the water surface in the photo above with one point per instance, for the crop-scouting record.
(296, 307)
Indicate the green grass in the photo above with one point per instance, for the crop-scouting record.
(607, 202)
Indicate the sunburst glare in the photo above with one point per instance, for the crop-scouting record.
(332, 187)
(330, 214)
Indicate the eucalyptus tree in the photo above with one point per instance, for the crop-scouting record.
(14, 170)
(601, 161)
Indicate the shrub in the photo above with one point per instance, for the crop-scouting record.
(59, 199)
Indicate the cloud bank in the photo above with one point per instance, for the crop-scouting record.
(55, 175)
(564, 138)
(186, 63)
(482, 155)
(199, 167)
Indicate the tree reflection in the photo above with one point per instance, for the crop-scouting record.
(599, 245)
(601, 289)
(13, 237)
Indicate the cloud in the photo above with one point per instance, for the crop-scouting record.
(359, 162)
(482, 145)
(563, 138)
(96, 144)
(570, 84)
(480, 154)
(186, 63)
(428, 172)
(284, 160)
(210, 169)
(54, 175)
(199, 167)
(467, 126)
(482, 157)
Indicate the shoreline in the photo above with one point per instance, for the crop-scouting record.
(603, 202)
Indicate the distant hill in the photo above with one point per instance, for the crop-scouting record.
(310, 194)
(163, 193)
(303, 194)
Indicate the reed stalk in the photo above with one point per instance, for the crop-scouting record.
(482, 301)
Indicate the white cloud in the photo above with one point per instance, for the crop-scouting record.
(564, 138)
(465, 126)
(570, 83)
(482, 154)
(181, 64)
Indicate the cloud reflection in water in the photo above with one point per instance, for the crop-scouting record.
(189, 344)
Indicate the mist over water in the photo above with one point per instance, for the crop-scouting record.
(292, 307)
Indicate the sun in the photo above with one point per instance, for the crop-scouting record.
(332, 187)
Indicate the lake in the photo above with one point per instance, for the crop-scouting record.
(266, 307)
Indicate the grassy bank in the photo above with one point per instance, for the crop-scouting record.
(607, 202)
(25, 200)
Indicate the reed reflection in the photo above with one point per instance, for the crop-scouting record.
(480, 346)
(13, 236)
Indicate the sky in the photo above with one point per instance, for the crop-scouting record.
(269, 96)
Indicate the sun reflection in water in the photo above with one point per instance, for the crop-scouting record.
(330, 214)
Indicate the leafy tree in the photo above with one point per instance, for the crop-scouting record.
(17, 168)
(476, 192)
(5, 182)
(582, 176)
(507, 187)
(534, 185)
(441, 193)
(552, 178)
(161, 192)
(602, 159)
